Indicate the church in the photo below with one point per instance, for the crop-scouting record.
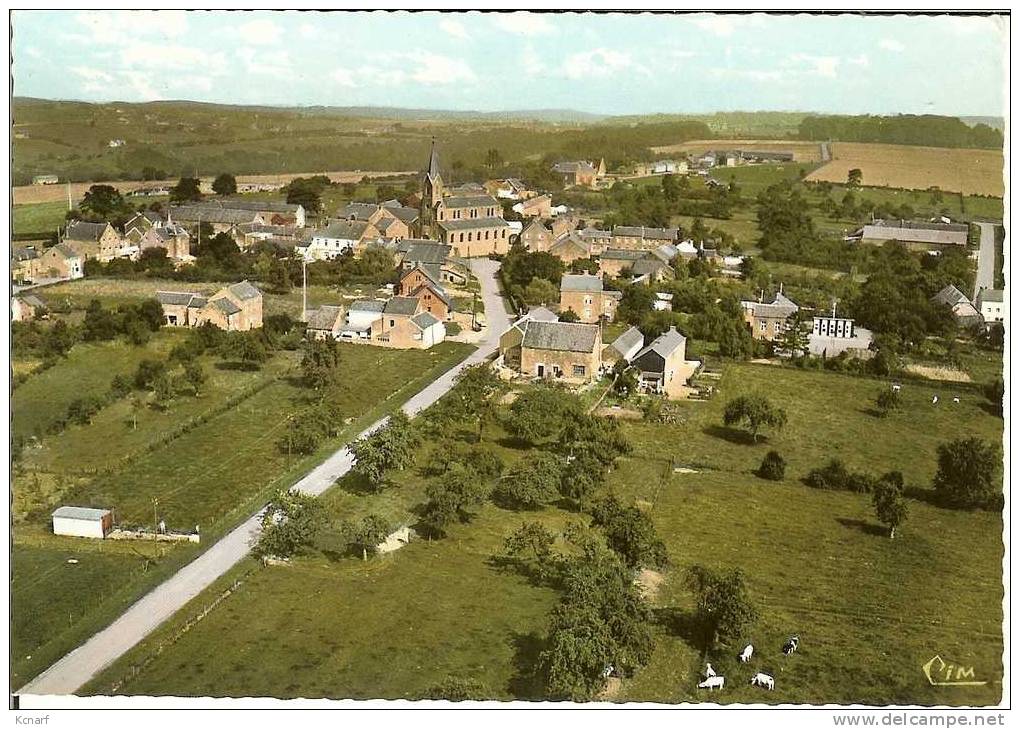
(472, 224)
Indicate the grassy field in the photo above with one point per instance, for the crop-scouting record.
(971, 171)
(214, 473)
(870, 611)
(40, 219)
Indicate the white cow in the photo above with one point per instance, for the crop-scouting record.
(935, 400)
(764, 680)
(745, 655)
(715, 682)
(957, 399)
(709, 671)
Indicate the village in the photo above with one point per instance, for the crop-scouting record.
(374, 402)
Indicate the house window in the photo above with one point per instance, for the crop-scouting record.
(764, 326)
(504, 234)
(392, 322)
(578, 370)
(469, 237)
(461, 237)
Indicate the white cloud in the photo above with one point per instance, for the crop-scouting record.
(141, 83)
(92, 74)
(891, 44)
(270, 63)
(825, 66)
(720, 25)
(454, 28)
(113, 27)
(307, 30)
(344, 77)
(260, 32)
(396, 69)
(436, 69)
(33, 52)
(862, 61)
(600, 62)
(531, 63)
(524, 23)
(174, 57)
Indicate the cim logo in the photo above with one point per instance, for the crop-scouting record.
(940, 673)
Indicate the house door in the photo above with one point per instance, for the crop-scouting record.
(541, 370)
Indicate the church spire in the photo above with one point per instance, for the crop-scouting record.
(433, 169)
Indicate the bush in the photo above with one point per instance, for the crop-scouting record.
(835, 476)
(148, 371)
(773, 467)
(887, 401)
(453, 328)
(120, 386)
(967, 474)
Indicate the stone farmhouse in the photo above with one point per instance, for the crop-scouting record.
(768, 321)
(584, 295)
(25, 264)
(26, 307)
(272, 212)
(535, 207)
(171, 237)
(581, 173)
(964, 311)
(568, 352)
(390, 218)
(234, 308)
(222, 220)
(536, 237)
(61, 261)
(570, 248)
(641, 238)
(662, 366)
(96, 241)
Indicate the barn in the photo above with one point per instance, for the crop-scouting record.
(79, 521)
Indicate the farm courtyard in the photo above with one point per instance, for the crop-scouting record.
(870, 610)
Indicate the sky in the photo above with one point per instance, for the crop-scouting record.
(605, 63)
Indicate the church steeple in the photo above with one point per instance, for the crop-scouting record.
(431, 194)
(433, 168)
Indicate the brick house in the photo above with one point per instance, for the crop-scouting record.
(94, 241)
(662, 366)
(570, 248)
(405, 324)
(326, 322)
(768, 321)
(171, 237)
(418, 283)
(535, 207)
(26, 307)
(25, 264)
(614, 261)
(237, 307)
(641, 238)
(62, 261)
(570, 352)
(584, 295)
(536, 237)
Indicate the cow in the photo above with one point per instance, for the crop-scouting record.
(745, 655)
(608, 671)
(791, 645)
(895, 388)
(956, 399)
(715, 682)
(764, 680)
(935, 400)
(709, 671)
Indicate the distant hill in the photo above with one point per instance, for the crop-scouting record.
(995, 122)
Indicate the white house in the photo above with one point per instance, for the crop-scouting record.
(360, 317)
(832, 335)
(333, 240)
(991, 305)
(431, 330)
(79, 521)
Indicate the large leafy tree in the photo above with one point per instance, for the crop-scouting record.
(540, 413)
(450, 498)
(476, 396)
(630, 533)
(186, 190)
(320, 363)
(531, 482)
(753, 412)
(724, 605)
(289, 525)
(887, 498)
(967, 470)
(102, 202)
(366, 534)
(225, 184)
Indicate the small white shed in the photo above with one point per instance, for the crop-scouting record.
(79, 521)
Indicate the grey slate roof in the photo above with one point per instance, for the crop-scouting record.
(81, 230)
(225, 305)
(580, 282)
(950, 296)
(642, 232)
(357, 211)
(325, 317)
(343, 230)
(34, 301)
(540, 313)
(990, 295)
(408, 215)
(245, 290)
(368, 305)
(664, 345)
(80, 512)
(209, 214)
(65, 250)
(426, 251)
(472, 223)
(175, 298)
(622, 254)
(269, 206)
(781, 307)
(560, 336)
(24, 254)
(572, 167)
(401, 305)
(424, 320)
(470, 201)
(628, 340)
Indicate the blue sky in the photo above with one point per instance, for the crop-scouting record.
(611, 64)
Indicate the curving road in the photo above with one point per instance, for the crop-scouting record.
(79, 666)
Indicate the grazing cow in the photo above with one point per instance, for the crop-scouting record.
(745, 655)
(895, 388)
(791, 645)
(608, 671)
(935, 400)
(715, 682)
(957, 399)
(764, 680)
(709, 671)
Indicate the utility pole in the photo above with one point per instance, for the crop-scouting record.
(69, 206)
(304, 288)
(155, 529)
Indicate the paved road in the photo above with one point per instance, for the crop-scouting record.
(986, 259)
(826, 153)
(75, 669)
